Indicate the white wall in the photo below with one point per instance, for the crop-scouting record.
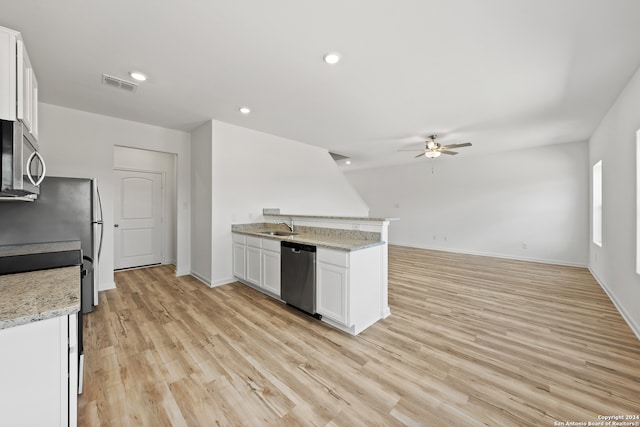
(614, 142)
(253, 170)
(80, 144)
(165, 164)
(201, 196)
(489, 205)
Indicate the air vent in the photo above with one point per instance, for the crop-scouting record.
(119, 83)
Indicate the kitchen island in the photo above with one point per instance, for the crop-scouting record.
(351, 264)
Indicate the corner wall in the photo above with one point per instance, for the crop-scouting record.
(524, 204)
(79, 144)
(201, 197)
(614, 142)
(253, 170)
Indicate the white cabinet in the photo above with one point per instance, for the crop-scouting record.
(332, 298)
(27, 87)
(350, 285)
(254, 261)
(18, 83)
(38, 367)
(349, 288)
(239, 256)
(271, 266)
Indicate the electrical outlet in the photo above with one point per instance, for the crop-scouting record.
(524, 246)
(355, 227)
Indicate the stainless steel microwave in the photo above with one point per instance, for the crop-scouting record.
(22, 168)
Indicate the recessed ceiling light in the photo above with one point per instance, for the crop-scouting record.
(331, 58)
(348, 162)
(244, 110)
(138, 76)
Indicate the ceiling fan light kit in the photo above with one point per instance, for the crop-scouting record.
(434, 149)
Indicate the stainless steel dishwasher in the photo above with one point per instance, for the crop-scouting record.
(298, 276)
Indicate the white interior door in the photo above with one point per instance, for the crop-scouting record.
(137, 218)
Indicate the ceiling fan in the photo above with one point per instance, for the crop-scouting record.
(433, 149)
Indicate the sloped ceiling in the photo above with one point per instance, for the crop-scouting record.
(503, 74)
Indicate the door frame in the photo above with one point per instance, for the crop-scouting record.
(163, 198)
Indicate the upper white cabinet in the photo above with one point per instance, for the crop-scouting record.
(27, 103)
(18, 83)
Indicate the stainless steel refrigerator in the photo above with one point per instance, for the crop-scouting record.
(66, 209)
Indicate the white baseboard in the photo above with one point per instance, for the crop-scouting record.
(215, 283)
(107, 286)
(182, 273)
(225, 281)
(635, 328)
(493, 255)
(200, 278)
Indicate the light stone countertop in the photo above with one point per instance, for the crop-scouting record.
(38, 295)
(346, 240)
(354, 218)
(38, 248)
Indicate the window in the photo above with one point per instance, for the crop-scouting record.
(597, 203)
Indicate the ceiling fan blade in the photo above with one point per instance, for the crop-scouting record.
(464, 144)
(421, 154)
(451, 153)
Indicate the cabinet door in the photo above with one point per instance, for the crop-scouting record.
(271, 272)
(332, 292)
(25, 87)
(34, 107)
(34, 390)
(239, 260)
(254, 265)
(73, 369)
(8, 78)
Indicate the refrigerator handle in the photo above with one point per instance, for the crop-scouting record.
(99, 221)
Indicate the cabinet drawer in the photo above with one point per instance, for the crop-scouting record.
(329, 256)
(239, 238)
(256, 242)
(271, 245)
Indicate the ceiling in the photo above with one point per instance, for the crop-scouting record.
(503, 74)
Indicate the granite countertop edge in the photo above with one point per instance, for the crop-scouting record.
(39, 295)
(312, 239)
(35, 317)
(354, 218)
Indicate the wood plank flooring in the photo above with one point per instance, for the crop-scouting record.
(471, 341)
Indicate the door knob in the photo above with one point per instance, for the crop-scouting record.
(116, 225)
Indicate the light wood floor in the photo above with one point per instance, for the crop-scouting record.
(471, 341)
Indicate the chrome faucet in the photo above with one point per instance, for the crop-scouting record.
(291, 227)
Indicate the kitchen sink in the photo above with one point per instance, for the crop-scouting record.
(277, 233)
